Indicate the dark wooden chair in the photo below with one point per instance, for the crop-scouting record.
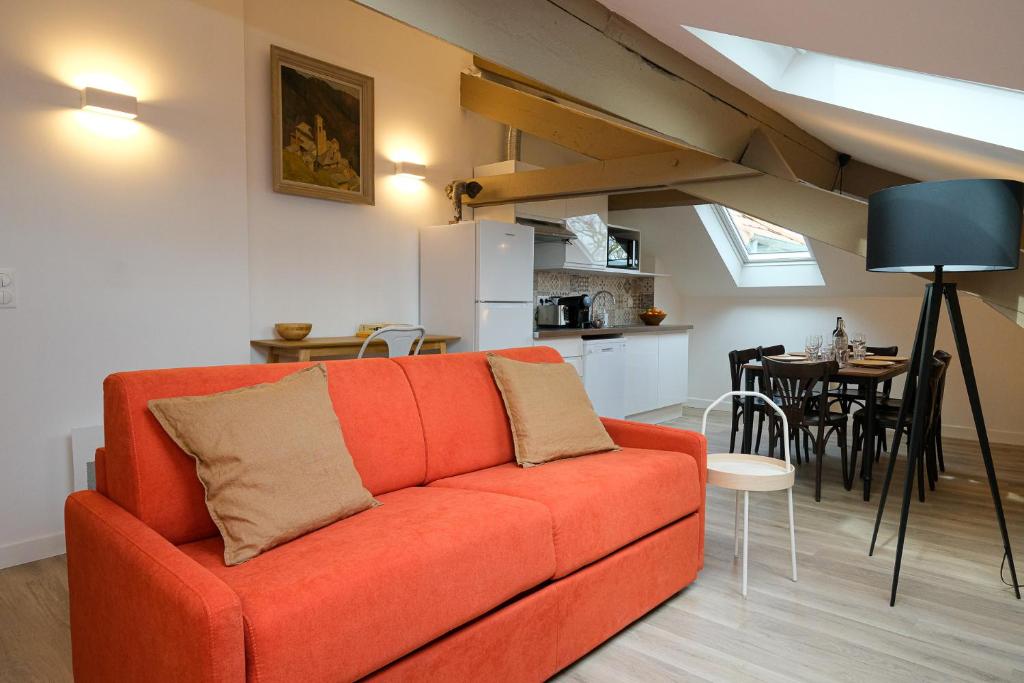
(793, 386)
(887, 417)
(848, 393)
(776, 350)
(737, 359)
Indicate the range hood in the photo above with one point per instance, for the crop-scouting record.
(546, 230)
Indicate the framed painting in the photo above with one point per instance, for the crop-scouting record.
(322, 129)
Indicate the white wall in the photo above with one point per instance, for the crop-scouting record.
(165, 245)
(129, 241)
(884, 306)
(336, 265)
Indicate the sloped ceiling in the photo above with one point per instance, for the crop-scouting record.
(972, 41)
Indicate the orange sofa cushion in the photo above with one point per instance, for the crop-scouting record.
(148, 475)
(598, 503)
(345, 600)
(464, 420)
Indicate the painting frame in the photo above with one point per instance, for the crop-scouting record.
(350, 80)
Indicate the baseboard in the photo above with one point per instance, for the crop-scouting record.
(658, 415)
(1000, 436)
(703, 403)
(31, 550)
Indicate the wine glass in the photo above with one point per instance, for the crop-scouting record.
(859, 342)
(812, 345)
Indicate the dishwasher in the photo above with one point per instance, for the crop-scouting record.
(604, 375)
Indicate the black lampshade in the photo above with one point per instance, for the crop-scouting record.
(960, 225)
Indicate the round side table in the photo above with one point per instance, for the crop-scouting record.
(743, 473)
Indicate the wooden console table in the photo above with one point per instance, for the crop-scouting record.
(280, 350)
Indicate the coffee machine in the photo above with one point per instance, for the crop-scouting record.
(577, 310)
(564, 311)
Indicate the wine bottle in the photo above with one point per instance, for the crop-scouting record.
(841, 342)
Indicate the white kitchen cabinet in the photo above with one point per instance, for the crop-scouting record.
(641, 373)
(571, 349)
(673, 349)
(656, 369)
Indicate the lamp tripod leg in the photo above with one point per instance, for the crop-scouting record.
(908, 394)
(963, 351)
(917, 426)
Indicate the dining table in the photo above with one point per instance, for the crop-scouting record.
(867, 378)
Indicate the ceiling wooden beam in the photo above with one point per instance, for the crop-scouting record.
(676, 168)
(590, 134)
(651, 199)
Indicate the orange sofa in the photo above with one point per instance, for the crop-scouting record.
(471, 569)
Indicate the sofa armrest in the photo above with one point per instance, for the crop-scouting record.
(141, 610)
(660, 438)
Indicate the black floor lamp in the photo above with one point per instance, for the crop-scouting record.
(947, 226)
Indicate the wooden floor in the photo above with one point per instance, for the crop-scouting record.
(954, 619)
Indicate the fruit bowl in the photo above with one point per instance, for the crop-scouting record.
(652, 317)
(293, 331)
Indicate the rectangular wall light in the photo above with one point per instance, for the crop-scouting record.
(112, 103)
(410, 170)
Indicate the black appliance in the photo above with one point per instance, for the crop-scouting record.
(623, 250)
(577, 310)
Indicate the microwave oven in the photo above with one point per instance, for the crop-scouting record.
(624, 251)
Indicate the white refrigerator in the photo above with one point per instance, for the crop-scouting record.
(476, 281)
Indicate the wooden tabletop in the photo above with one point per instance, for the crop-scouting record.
(853, 371)
(337, 342)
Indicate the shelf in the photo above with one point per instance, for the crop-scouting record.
(621, 272)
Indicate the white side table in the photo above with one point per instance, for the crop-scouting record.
(744, 473)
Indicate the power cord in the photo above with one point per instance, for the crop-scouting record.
(842, 159)
(1002, 569)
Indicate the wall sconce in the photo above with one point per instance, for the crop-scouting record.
(111, 103)
(407, 169)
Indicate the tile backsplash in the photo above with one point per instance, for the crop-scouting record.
(631, 294)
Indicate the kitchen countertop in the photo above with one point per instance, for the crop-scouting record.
(558, 332)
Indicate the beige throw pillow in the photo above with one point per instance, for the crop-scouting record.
(548, 410)
(271, 457)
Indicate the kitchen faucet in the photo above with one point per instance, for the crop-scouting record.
(594, 299)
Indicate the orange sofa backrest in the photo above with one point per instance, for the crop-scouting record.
(148, 475)
(406, 422)
(464, 420)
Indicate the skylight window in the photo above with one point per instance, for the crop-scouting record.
(758, 241)
(757, 253)
(972, 110)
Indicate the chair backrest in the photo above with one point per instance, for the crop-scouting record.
(737, 359)
(793, 384)
(944, 358)
(776, 350)
(399, 338)
(883, 350)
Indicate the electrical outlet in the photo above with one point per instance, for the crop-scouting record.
(8, 293)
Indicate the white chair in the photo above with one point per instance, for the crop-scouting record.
(399, 338)
(744, 473)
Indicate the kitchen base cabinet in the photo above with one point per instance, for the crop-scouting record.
(657, 367)
(641, 373)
